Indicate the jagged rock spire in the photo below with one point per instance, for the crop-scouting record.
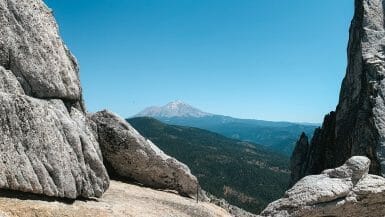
(357, 127)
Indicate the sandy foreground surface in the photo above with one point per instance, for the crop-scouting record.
(120, 200)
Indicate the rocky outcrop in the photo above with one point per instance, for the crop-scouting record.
(120, 200)
(130, 155)
(358, 125)
(298, 158)
(345, 191)
(46, 149)
(31, 48)
(49, 147)
(46, 146)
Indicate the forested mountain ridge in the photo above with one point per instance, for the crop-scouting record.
(245, 174)
(277, 136)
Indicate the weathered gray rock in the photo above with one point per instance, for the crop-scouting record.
(320, 153)
(9, 83)
(358, 125)
(44, 150)
(344, 191)
(46, 145)
(31, 48)
(132, 156)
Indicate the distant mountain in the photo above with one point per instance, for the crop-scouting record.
(245, 174)
(173, 109)
(278, 136)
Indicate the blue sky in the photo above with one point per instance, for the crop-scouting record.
(264, 59)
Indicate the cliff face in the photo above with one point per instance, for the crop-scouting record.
(357, 127)
(298, 158)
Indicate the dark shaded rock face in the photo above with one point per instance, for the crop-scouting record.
(357, 127)
(46, 145)
(298, 158)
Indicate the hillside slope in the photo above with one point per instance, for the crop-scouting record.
(243, 173)
(277, 136)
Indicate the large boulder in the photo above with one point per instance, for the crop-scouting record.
(46, 145)
(345, 191)
(130, 155)
(31, 48)
(45, 149)
(357, 127)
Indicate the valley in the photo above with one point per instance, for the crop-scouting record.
(245, 174)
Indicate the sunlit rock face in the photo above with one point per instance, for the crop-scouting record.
(32, 49)
(130, 155)
(357, 127)
(345, 191)
(46, 145)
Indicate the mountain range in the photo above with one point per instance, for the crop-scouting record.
(277, 136)
(245, 174)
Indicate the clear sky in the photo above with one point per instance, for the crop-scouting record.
(264, 59)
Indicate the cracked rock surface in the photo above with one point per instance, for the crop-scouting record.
(46, 145)
(357, 127)
(32, 49)
(345, 191)
(132, 156)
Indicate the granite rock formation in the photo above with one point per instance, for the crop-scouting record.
(130, 155)
(357, 127)
(32, 49)
(49, 144)
(345, 191)
(46, 146)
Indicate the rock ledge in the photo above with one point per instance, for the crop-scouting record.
(345, 191)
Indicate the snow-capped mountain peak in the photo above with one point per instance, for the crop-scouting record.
(173, 109)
